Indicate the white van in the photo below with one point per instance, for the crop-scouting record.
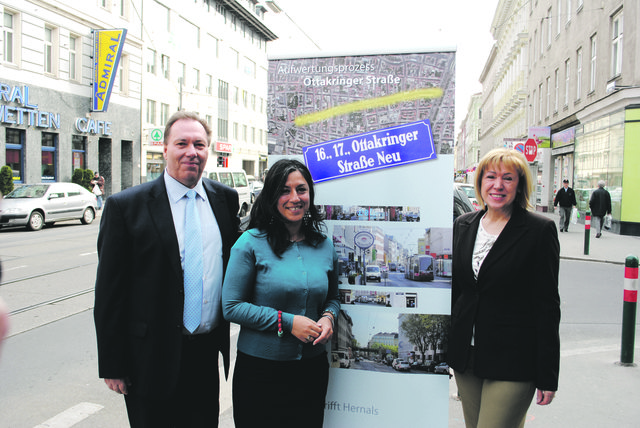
(237, 179)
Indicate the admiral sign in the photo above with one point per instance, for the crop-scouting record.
(107, 49)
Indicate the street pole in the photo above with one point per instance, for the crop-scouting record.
(629, 310)
(587, 230)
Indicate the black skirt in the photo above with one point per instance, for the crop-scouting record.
(279, 394)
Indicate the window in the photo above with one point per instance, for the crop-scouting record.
(535, 44)
(578, 73)
(253, 102)
(209, 83)
(541, 104)
(182, 71)
(568, 11)
(548, 96)
(223, 129)
(8, 37)
(235, 131)
(165, 64)
(151, 61)
(123, 8)
(244, 133)
(559, 20)
(245, 99)
(105, 4)
(50, 50)
(78, 152)
(556, 91)
(550, 27)
(592, 71)
(567, 81)
(236, 95)
(195, 78)
(164, 114)
(15, 146)
(253, 134)
(122, 75)
(151, 112)
(74, 58)
(616, 45)
(49, 145)
(542, 37)
(580, 4)
(213, 46)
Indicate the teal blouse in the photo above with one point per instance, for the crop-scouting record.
(258, 284)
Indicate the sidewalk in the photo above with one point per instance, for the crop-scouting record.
(609, 248)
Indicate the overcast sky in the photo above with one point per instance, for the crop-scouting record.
(344, 25)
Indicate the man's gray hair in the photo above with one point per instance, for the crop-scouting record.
(601, 183)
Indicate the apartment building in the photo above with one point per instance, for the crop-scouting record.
(584, 83)
(210, 57)
(48, 126)
(570, 66)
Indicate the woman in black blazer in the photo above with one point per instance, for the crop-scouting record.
(505, 316)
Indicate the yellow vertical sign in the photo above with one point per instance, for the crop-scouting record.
(107, 49)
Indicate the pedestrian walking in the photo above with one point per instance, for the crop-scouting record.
(566, 198)
(600, 204)
(98, 188)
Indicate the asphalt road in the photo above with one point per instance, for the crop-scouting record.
(48, 366)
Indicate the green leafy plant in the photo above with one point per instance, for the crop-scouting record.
(6, 179)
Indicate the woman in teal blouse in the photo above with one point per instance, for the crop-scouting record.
(281, 287)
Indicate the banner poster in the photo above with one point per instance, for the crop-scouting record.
(377, 133)
(107, 49)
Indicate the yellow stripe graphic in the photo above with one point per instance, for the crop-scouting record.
(416, 94)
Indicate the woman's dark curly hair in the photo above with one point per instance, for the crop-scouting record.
(266, 217)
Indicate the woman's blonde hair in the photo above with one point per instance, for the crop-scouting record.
(511, 159)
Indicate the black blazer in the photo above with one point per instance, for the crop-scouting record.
(139, 295)
(514, 304)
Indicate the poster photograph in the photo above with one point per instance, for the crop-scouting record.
(377, 132)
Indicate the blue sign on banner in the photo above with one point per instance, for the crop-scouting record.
(384, 148)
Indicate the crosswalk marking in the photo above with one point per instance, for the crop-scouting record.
(71, 416)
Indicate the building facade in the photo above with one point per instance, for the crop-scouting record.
(571, 67)
(47, 126)
(210, 57)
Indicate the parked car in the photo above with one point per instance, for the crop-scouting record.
(470, 191)
(401, 365)
(442, 368)
(461, 202)
(427, 366)
(373, 273)
(37, 205)
(255, 186)
(235, 178)
(343, 358)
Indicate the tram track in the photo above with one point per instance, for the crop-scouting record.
(50, 273)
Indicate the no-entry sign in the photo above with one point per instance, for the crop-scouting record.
(530, 149)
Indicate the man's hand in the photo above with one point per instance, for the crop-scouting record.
(118, 385)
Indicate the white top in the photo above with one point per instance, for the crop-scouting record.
(484, 242)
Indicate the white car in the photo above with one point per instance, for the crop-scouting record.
(36, 205)
(373, 273)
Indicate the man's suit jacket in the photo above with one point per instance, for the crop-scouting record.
(514, 304)
(139, 295)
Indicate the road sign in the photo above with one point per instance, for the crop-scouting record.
(530, 149)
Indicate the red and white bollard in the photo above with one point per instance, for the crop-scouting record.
(629, 310)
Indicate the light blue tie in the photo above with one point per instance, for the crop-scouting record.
(193, 270)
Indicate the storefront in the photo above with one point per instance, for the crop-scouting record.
(47, 134)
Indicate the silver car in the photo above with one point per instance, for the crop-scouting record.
(34, 205)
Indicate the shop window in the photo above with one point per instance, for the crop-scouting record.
(49, 145)
(14, 147)
(155, 165)
(78, 152)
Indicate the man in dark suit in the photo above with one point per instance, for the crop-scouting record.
(167, 371)
(566, 198)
